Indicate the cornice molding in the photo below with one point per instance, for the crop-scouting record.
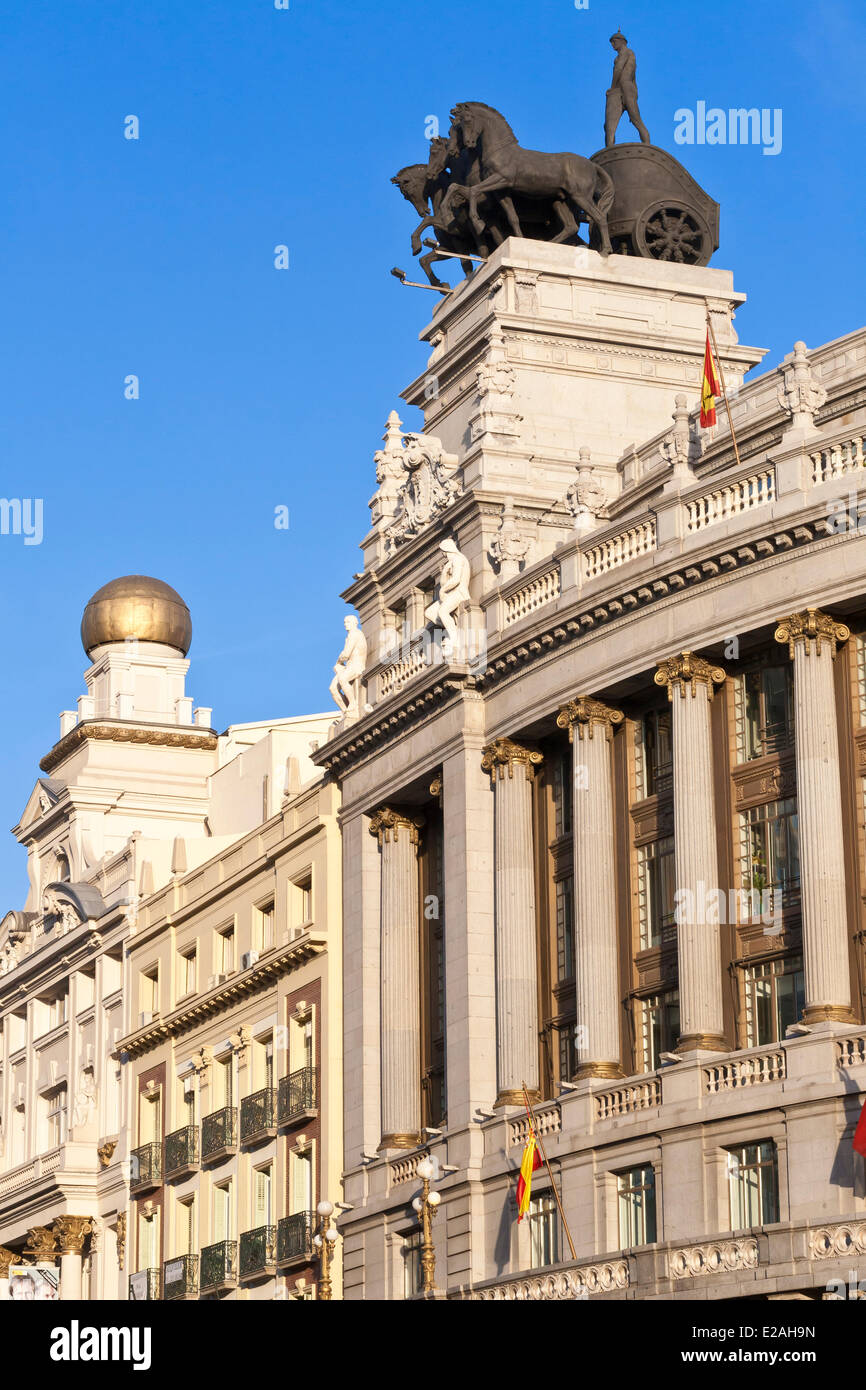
(163, 735)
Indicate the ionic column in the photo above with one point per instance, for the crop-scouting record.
(811, 637)
(71, 1233)
(590, 727)
(398, 835)
(511, 771)
(689, 681)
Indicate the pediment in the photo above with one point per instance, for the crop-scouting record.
(44, 796)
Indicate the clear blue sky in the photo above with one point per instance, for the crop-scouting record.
(258, 387)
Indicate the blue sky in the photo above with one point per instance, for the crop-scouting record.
(261, 388)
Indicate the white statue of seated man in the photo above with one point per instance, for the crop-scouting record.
(345, 688)
(453, 592)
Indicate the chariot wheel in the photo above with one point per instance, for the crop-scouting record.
(668, 231)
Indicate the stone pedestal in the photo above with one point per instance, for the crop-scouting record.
(689, 681)
(511, 767)
(590, 727)
(398, 835)
(811, 637)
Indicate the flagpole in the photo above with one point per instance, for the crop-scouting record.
(724, 389)
(528, 1104)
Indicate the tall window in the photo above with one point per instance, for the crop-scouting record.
(563, 791)
(187, 1100)
(223, 1226)
(754, 1185)
(771, 848)
(226, 1078)
(775, 996)
(301, 1180)
(56, 1117)
(656, 888)
(543, 1219)
(58, 1010)
(660, 1026)
(433, 972)
(262, 1183)
(226, 950)
(303, 900)
(187, 973)
(148, 1242)
(264, 1063)
(636, 1197)
(149, 992)
(767, 703)
(655, 753)
(266, 927)
(554, 797)
(186, 1235)
(413, 1277)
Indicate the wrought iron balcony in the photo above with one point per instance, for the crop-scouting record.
(258, 1251)
(182, 1151)
(258, 1117)
(219, 1134)
(144, 1286)
(299, 1096)
(295, 1238)
(145, 1167)
(180, 1277)
(219, 1266)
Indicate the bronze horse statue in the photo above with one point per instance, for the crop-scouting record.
(576, 188)
(425, 187)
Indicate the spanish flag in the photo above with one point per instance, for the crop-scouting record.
(709, 387)
(528, 1164)
(859, 1134)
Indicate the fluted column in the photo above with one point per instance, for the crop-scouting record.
(398, 834)
(511, 769)
(689, 680)
(590, 727)
(811, 637)
(71, 1233)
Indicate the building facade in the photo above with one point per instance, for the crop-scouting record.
(136, 796)
(605, 841)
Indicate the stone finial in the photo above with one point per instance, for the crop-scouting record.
(688, 671)
(801, 394)
(390, 470)
(71, 1233)
(388, 823)
(808, 626)
(508, 548)
(586, 498)
(585, 714)
(681, 448)
(504, 754)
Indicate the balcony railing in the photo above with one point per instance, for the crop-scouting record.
(258, 1251)
(299, 1095)
(219, 1266)
(219, 1134)
(144, 1286)
(258, 1116)
(180, 1277)
(145, 1167)
(181, 1151)
(295, 1238)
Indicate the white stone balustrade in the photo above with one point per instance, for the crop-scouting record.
(731, 500)
(837, 460)
(619, 550)
(541, 590)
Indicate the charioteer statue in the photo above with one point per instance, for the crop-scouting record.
(480, 185)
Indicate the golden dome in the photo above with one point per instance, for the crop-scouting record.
(136, 607)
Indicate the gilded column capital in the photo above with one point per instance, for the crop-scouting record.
(504, 753)
(40, 1243)
(811, 625)
(585, 714)
(688, 671)
(7, 1258)
(387, 823)
(71, 1233)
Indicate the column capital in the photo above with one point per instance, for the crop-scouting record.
(585, 714)
(688, 671)
(504, 753)
(7, 1258)
(811, 625)
(71, 1233)
(387, 823)
(41, 1242)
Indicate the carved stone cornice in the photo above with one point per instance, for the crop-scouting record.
(71, 1233)
(127, 733)
(585, 714)
(387, 823)
(686, 672)
(811, 625)
(504, 753)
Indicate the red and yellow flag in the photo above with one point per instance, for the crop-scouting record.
(709, 387)
(528, 1164)
(860, 1133)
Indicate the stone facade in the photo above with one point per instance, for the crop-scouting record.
(628, 925)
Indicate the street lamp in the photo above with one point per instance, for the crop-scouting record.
(324, 1241)
(426, 1205)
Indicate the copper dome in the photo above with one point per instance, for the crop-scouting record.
(136, 607)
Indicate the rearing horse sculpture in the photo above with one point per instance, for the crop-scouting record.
(577, 188)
